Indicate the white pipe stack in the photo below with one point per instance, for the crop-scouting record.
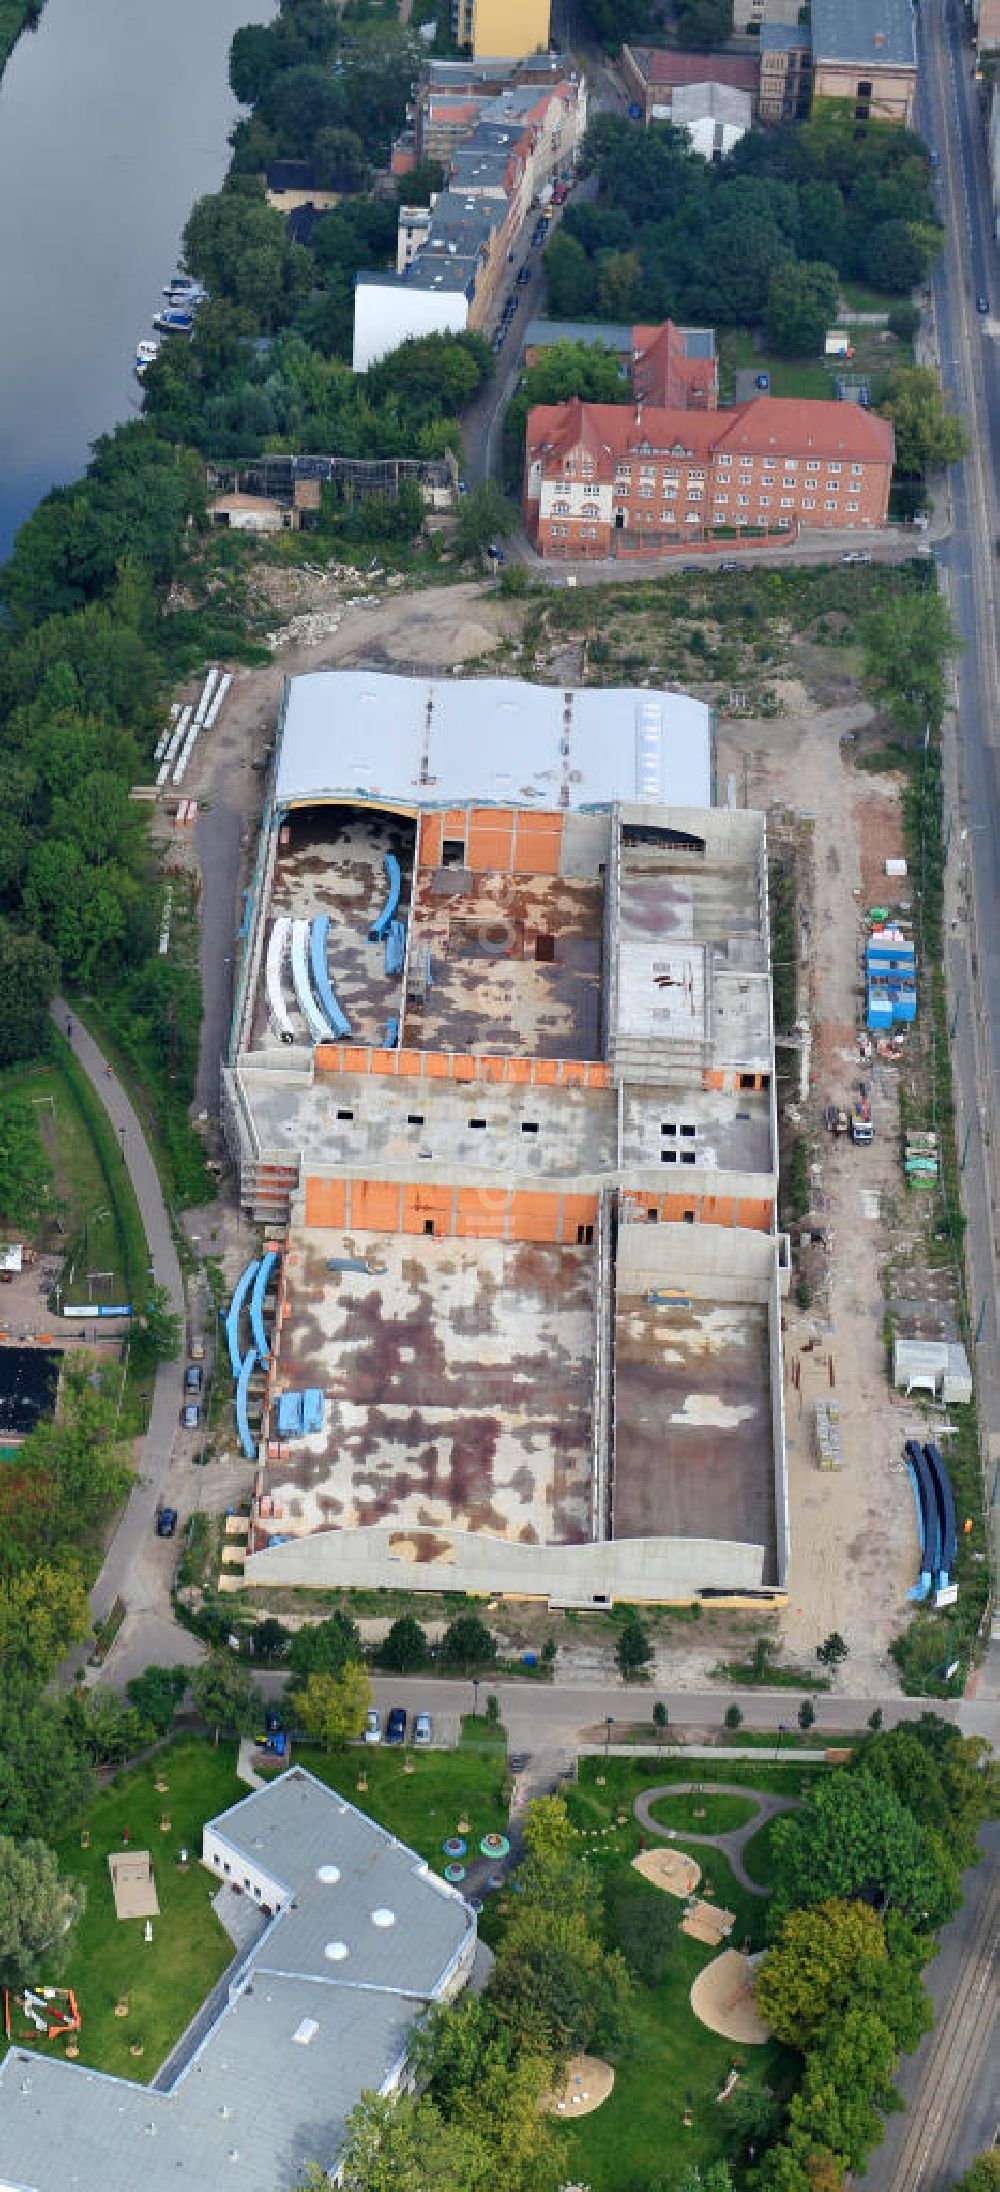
(207, 690)
(224, 685)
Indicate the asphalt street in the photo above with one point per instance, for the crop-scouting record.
(967, 343)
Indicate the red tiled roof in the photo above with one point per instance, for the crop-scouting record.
(805, 426)
(660, 66)
(788, 426)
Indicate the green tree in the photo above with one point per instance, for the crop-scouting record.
(984, 2175)
(702, 24)
(29, 974)
(85, 1466)
(235, 244)
(421, 183)
(25, 1171)
(855, 1839)
(271, 1641)
(896, 256)
(801, 305)
(109, 1730)
(325, 1647)
(570, 278)
(43, 1610)
(806, 1714)
(404, 2145)
(949, 1782)
(483, 516)
(332, 1707)
(905, 649)
(633, 1650)
(548, 1831)
(714, 2177)
(660, 1719)
(734, 1717)
(339, 161)
(158, 1326)
(928, 435)
(46, 1778)
(156, 1694)
(404, 1648)
(225, 1694)
(848, 2080)
(467, 1643)
(810, 1973)
(38, 1910)
(833, 1650)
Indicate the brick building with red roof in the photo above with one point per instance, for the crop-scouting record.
(603, 479)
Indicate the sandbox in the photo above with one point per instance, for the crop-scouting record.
(670, 1869)
(722, 1998)
(587, 2084)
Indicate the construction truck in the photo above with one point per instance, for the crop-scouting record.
(862, 1129)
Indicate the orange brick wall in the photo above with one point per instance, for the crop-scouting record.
(498, 840)
(750, 1212)
(469, 1213)
(456, 1065)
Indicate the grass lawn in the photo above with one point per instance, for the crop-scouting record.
(424, 1806)
(593, 1804)
(166, 1981)
(758, 1857)
(90, 1239)
(873, 357)
(673, 2061)
(702, 1813)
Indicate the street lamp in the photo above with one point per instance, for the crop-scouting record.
(475, 1696)
(607, 1739)
(121, 1137)
(782, 1730)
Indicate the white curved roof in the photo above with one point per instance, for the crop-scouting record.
(423, 742)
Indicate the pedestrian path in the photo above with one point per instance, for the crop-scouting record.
(136, 1526)
(731, 1844)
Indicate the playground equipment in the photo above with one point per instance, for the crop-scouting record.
(48, 2012)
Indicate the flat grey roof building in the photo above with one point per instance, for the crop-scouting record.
(430, 743)
(361, 1936)
(877, 32)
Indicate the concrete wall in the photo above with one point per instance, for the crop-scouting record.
(653, 1570)
(708, 1262)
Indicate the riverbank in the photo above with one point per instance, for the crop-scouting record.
(15, 17)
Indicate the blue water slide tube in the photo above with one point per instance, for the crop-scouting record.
(945, 1507)
(930, 1532)
(395, 947)
(247, 1440)
(316, 1021)
(392, 1034)
(321, 976)
(380, 925)
(234, 1313)
(264, 1270)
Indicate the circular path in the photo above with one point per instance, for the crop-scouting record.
(730, 1844)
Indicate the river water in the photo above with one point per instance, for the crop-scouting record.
(114, 117)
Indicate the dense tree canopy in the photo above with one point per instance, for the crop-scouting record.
(38, 1910)
(707, 240)
(854, 1839)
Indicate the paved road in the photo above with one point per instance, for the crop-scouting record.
(138, 1566)
(969, 352)
(554, 1716)
(951, 2086)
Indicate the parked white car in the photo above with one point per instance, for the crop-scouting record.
(373, 1726)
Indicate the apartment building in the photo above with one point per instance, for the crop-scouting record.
(451, 255)
(621, 479)
(865, 53)
(509, 27)
(501, 1093)
(785, 72)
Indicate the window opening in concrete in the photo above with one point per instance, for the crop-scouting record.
(585, 1236)
(529, 1126)
(414, 1118)
(453, 852)
(545, 950)
(429, 1228)
(345, 1114)
(477, 1126)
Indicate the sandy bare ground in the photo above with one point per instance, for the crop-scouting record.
(587, 2084)
(722, 1998)
(853, 1532)
(669, 1869)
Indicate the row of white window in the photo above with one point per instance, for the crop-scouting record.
(668, 514)
(723, 463)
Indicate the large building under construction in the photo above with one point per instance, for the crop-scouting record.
(501, 1095)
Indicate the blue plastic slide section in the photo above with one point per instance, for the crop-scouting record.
(392, 1034)
(380, 925)
(312, 1409)
(289, 1415)
(921, 1588)
(234, 1313)
(247, 1440)
(946, 1509)
(930, 1528)
(321, 977)
(264, 1270)
(395, 947)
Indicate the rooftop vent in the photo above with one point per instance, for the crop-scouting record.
(329, 1875)
(335, 1952)
(308, 2028)
(383, 1919)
